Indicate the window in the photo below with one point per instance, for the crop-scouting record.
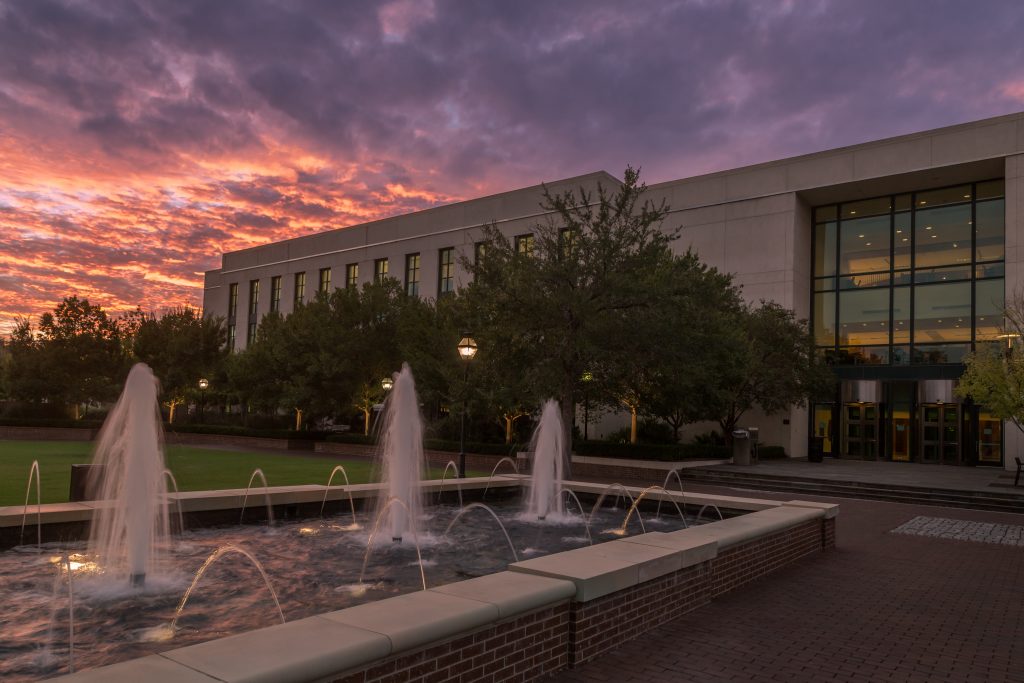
(352, 275)
(524, 245)
(275, 293)
(915, 277)
(412, 274)
(566, 240)
(232, 300)
(231, 337)
(300, 288)
(250, 337)
(445, 271)
(325, 280)
(254, 298)
(380, 270)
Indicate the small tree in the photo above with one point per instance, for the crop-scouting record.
(994, 376)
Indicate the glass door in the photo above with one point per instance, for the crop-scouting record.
(940, 433)
(860, 430)
(823, 426)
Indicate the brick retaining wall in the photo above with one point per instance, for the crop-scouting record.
(524, 648)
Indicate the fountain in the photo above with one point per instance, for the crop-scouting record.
(127, 531)
(39, 506)
(402, 461)
(548, 448)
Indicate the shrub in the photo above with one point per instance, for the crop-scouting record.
(669, 453)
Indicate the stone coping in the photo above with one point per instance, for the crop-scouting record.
(231, 499)
(323, 646)
(612, 566)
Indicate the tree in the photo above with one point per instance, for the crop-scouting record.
(769, 361)
(662, 355)
(180, 347)
(82, 354)
(550, 304)
(994, 376)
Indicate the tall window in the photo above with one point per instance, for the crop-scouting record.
(254, 297)
(524, 245)
(300, 288)
(231, 337)
(352, 275)
(380, 270)
(566, 240)
(325, 280)
(232, 300)
(412, 274)
(445, 271)
(275, 293)
(250, 337)
(909, 278)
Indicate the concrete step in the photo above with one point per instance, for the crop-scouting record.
(978, 500)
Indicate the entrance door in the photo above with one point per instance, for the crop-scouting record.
(901, 422)
(940, 433)
(860, 430)
(823, 426)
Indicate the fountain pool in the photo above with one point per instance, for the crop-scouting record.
(313, 565)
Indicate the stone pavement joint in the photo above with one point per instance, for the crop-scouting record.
(963, 530)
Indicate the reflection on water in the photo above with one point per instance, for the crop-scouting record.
(314, 566)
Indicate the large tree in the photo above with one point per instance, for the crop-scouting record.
(82, 355)
(552, 302)
(768, 361)
(181, 347)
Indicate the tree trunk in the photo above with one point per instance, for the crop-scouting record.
(632, 426)
(366, 422)
(170, 415)
(298, 419)
(509, 421)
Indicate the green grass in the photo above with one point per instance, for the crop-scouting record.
(195, 469)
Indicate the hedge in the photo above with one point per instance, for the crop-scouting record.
(50, 422)
(664, 452)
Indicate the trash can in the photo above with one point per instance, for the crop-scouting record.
(754, 455)
(740, 447)
(816, 450)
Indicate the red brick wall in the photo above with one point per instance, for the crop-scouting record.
(604, 624)
(743, 563)
(525, 648)
(828, 534)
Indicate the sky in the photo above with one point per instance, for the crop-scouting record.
(139, 140)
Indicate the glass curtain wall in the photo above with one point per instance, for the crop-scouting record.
(913, 278)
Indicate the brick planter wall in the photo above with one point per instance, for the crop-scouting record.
(47, 433)
(741, 564)
(525, 648)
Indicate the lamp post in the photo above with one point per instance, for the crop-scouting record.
(204, 384)
(386, 384)
(467, 349)
(587, 379)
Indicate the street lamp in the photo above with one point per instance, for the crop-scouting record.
(387, 383)
(204, 384)
(467, 349)
(587, 379)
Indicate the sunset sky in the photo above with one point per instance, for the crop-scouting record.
(140, 140)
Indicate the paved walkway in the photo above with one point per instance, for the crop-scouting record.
(989, 479)
(880, 607)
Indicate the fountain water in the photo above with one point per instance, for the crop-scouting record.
(351, 503)
(458, 485)
(548, 448)
(402, 461)
(174, 483)
(636, 503)
(619, 488)
(385, 508)
(39, 506)
(127, 531)
(266, 496)
(472, 506)
(509, 461)
(583, 513)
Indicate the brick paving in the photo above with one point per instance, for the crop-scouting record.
(880, 607)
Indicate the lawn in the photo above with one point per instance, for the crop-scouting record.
(194, 468)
